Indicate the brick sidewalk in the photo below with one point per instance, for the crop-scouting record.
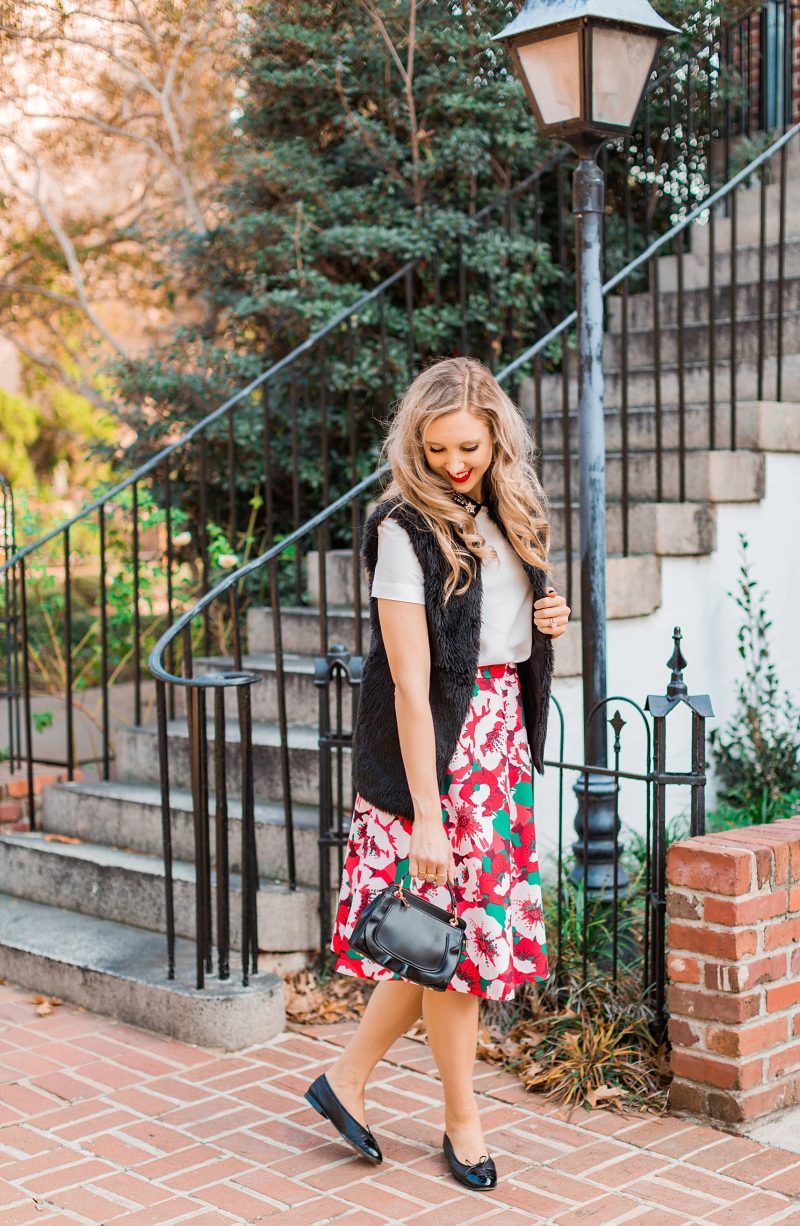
(100, 1122)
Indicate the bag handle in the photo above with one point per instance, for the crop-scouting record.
(453, 904)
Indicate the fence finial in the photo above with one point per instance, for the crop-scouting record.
(660, 705)
(677, 687)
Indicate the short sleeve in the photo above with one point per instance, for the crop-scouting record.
(398, 574)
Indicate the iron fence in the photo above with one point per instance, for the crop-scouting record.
(10, 679)
(622, 921)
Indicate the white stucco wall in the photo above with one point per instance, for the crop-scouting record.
(694, 596)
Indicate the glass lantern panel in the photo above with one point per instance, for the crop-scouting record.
(552, 70)
(621, 62)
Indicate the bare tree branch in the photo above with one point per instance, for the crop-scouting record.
(39, 198)
(132, 95)
(407, 76)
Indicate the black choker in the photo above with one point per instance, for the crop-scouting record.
(465, 500)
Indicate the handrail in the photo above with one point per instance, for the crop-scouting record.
(230, 580)
(308, 344)
(243, 678)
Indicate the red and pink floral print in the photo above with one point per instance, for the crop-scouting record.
(488, 814)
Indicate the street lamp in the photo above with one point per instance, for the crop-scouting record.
(585, 65)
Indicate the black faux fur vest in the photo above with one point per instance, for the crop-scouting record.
(454, 633)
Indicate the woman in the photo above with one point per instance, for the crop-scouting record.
(452, 713)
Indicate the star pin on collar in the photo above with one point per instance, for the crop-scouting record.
(464, 500)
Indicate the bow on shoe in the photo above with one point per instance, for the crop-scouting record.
(480, 1176)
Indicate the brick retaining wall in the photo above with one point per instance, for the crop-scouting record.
(14, 791)
(733, 967)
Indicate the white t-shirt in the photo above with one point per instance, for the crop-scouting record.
(507, 605)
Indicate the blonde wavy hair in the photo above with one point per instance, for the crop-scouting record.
(446, 386)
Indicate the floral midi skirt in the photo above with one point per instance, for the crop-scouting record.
(487, 812)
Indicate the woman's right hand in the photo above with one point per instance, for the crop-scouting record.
(430, 854)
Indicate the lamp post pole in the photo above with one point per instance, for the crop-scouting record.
(595, 846)
(588, 200)
(584, 65)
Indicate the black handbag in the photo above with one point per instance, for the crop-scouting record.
(411, 936)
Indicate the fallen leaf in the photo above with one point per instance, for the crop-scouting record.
(45, 1004)
(308, 1001)
(603, 1094)
(61, 838)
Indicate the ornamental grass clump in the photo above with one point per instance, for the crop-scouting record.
(588, 1046)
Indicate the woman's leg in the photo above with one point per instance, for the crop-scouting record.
(392, 1009)
(451, 1020)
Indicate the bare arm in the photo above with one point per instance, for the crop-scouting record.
(405, 635)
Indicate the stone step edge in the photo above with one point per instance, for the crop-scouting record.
(128, 887)
(613, 412)
(98, 812)
(119, 791)
(690, 365)
(129, 860)
(722, 322)
(120, 971)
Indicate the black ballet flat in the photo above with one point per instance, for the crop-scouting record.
(323, 1100)
(481, 1176)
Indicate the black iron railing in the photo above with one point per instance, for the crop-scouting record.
(605, 932)
(307, 428)
(10, 678)
(276, 774)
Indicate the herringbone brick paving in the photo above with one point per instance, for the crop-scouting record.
(100, 1122)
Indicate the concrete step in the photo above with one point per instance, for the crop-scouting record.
(127, 887)
(633, 589)
(300, 625)
(302, 695)
(696, 383)
(766, 425)
(637, 583)
(266, 661)
(748, 216)
(121, 971)
(710, 476)
(699, 340)
(137, 759)
(666, 529)
(124, 814)
(697, 305)
(748, 266)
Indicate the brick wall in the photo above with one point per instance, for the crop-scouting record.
(733, 968)
(14, 809)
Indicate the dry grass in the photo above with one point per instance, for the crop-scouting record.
(594, 1048)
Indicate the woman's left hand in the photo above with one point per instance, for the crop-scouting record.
(551, 614)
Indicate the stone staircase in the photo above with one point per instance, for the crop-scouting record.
(104, 892)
